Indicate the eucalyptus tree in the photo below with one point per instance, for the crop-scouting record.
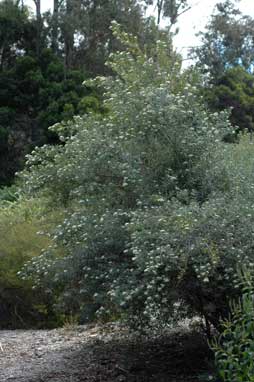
(38, 25)
(228, 41)
(55, 25)
(171, 9)
(226, 58)
(85, 30)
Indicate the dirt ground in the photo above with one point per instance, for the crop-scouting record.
(101, 354)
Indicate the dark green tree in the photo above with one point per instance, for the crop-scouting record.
(15, 28)
(35, 94)
(35, 90)
(234, 89)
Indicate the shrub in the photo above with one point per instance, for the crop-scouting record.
(154, 220)
(234, 349)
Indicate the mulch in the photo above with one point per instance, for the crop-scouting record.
(103, 354)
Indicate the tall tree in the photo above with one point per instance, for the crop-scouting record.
(227, 42)
(169, 8)
(226, 58)
(235, 90)
(54, 42)
(14, 26)
(85, 28)
(40, 86)
(39, 25)
(35, 91)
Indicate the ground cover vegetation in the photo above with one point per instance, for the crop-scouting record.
(22, 306)
(153, 210)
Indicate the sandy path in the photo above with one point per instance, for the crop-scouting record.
(39, 356)
(99, 354)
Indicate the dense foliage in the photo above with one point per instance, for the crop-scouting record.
(225, 57)
(35, 94)
(42, 66)
(36, 91)
(234, 89)
(152, 211)
(234, 348)
(43, 61)
(157, 214)
(227, 41)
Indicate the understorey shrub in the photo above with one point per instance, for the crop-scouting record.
(234, 348)
(157, 211)
(21, 306)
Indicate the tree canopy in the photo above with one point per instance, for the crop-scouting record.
(43, 62)
(227, 41)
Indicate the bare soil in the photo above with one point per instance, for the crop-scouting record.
(101, 354)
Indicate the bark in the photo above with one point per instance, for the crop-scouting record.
(159, 10)
(55, 27)
(39, 21)
(69, 36)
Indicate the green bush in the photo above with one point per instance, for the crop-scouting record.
(145, 190)
(158, 211)
(234, 349)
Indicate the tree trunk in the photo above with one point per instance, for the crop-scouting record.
(159, 10)
(38, 20)
(55, 27)
(69, 34)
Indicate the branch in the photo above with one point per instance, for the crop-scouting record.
(182, 12)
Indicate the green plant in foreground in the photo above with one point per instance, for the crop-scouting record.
(234, 349)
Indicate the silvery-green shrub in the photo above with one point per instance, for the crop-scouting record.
(153, 220)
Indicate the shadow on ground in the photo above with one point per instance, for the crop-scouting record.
(102, 354)
(172, 358)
